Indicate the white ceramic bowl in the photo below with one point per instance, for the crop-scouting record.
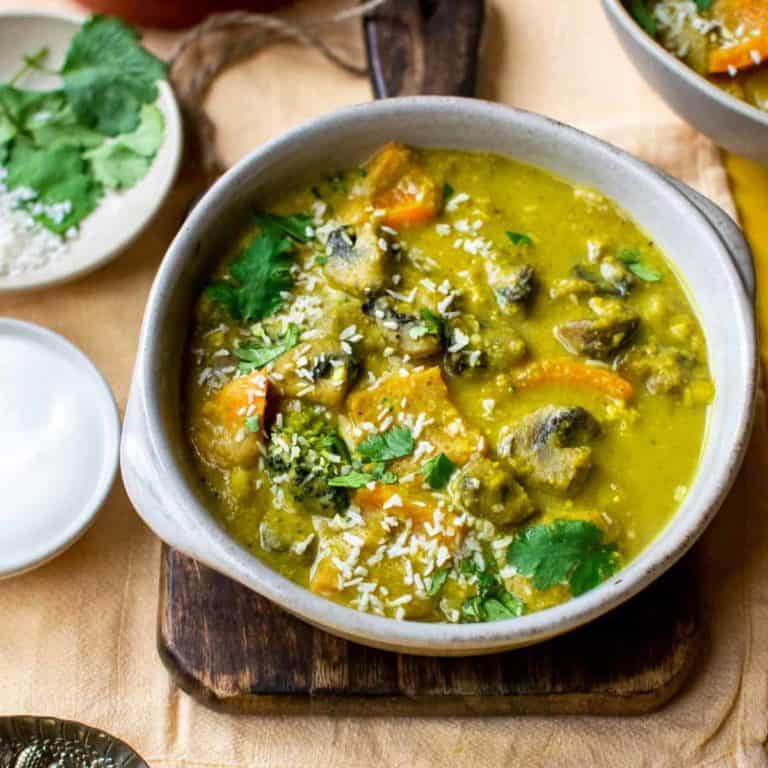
(120, 216)
(729, 122)
(155, 462)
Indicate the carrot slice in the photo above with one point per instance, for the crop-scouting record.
(752, 49)
(402, 188)
(564, 371)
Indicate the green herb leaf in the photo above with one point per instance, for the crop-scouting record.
(351, 480)
(252, 423)
(254, 357)
(432, 321)
(447, 191)
(438, 581)
(65, 190)
(437, 471)
(294, 226)
(492, 601)
(259, 276)
(392, 444)
(704, 5)
(518, 238)
(643, 16)
(108, 76)
(567, 551)
(635, 265)
(121, 162)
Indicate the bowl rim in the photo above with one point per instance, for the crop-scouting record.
(412, 636)
(680, 68)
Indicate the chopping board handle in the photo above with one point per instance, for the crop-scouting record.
(424, 47)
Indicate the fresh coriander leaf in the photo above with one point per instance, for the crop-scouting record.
(33, 61)
(294, 226)
(438, 581)
(259, 276)
(567, 551)
(392, 444)
(5, 149)
(437, 471)
(321, 259)
(635, 265)
(65, 190)
(518, 238)
(108, 75)
(432, 321)
(253, 357)
(643, 16)
(351, 480)
(704, 5)
(121, 162)
(252, 423)
(505, 606)
(381, 474)
(447, 191)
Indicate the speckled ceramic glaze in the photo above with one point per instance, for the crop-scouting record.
(703, 244)
(733, 124)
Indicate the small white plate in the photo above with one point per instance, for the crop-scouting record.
(120, 216)
(59, 444)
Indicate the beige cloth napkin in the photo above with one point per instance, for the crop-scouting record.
(77, 637)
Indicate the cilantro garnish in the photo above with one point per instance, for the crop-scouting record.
(704, 5)
(518, 238)
(635, 265)
(258, 277)
(66, 191)
(252, 423)
(56, 144)
(566, 552)
(644, 17)
(447, 191)
(492, 601)
(294, 226)
(438, 581)
(437, 471)
(121, 162)
(108, 76)
(253, 357)
(392, 444)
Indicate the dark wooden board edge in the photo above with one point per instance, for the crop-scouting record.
(635, 695)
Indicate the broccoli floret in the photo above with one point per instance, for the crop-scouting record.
(305, 451)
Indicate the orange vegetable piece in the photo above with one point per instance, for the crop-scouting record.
(415, 504)
(750, 15)
(235, 399)
(423, 392)
(565, 371)
(402, 188)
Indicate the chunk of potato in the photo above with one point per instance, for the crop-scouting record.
(423, 395)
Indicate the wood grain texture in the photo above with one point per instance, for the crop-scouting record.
(424, 47)
(235, 651)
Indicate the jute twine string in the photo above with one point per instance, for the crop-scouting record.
(222, 40)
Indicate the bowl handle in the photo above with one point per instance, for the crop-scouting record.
(147, 492)
(728, 230)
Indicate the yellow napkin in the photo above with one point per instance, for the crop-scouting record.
(77, 637)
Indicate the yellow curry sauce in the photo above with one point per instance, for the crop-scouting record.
(726, 41)
(446, 387)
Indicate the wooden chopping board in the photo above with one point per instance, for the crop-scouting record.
(233, 650)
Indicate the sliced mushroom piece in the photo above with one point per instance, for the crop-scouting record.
(358, 259)
(603, 337)
(665, 370)
(547, 448)
(512, 287)
(487, 488)
(408, 333)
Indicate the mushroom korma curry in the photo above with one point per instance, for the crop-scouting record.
(445, 386)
